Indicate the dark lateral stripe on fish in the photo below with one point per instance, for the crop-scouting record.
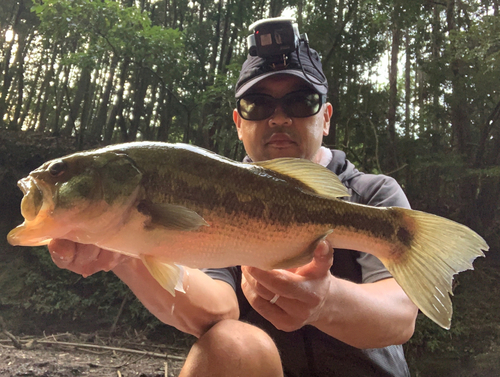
(284, 214)
(190, 179)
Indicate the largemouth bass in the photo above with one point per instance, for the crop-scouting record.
(174, 205)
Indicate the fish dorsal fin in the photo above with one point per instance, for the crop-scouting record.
(171, 216)
(169, 276)
(317, 178)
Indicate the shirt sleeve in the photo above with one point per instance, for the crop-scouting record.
(229, 275)
(378, 191)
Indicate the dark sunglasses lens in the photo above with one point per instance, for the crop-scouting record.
(256, 107)
(302, 105)
(262, 106)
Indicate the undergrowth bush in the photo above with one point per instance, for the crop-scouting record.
(475, 325)
(60, 293)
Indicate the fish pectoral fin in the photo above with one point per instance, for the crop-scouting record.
(169, 276)
(318, 179)
(301, 258)
(439, 249)
(171, 216)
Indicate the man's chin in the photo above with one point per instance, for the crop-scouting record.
(283, 150)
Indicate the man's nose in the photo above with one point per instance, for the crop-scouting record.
(280, 118)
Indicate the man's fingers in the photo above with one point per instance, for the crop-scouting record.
(86, 254)
(260, 300)
(62, 252)
(255, 286)
(322, 261)
(323, 250)
(82, 258)
(276, 281)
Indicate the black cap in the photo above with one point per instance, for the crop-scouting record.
(255, 69)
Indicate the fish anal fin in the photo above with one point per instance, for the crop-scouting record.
(301, 258)
(171, 216)
(318, 179)
(169, 276)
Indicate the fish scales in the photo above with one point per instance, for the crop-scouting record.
(175, 204)
(190, 181)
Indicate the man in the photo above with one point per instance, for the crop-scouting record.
(321, 319)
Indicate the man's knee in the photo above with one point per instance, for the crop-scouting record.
(234, 348)
(239, 335)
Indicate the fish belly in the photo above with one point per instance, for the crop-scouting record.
(227, 241)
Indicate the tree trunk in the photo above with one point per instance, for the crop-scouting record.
(229, 53)
(7, 73)
(45, 92)
(20, 56)
(118, 106)
(225, 38)
(86, 112)
(81, 90)
(100, 119)
(486, 130)
(148, 129)
(393, 88)
(275, 8)
(32, 93)
(141, 87)
(494, 154)
(300, 10)
(165, 114)
(460, 122)
(215, 48)
(60, 100)
(436, 48)
(408, 94)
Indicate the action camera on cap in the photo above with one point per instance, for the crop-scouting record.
(273, 37)
(275, 46)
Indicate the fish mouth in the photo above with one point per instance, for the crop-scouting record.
(33, 198)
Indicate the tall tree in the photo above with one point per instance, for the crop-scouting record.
(393, 84)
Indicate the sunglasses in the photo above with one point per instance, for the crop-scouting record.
(300, 104)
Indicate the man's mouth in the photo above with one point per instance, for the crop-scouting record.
(280, 140)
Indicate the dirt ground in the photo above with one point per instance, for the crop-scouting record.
(68, 355)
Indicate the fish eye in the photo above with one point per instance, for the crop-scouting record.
(57, 168)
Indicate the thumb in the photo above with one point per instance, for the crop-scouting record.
(321, 263)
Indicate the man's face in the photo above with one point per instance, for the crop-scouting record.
(280, 135)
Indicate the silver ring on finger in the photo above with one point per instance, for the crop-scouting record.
(274, 299)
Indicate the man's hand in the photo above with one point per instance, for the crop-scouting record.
(83, 259)
(302, 291)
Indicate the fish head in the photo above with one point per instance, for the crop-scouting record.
(75, 197)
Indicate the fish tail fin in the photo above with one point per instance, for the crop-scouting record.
(438, 249)
(169, 276)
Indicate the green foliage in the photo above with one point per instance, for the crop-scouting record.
(100, 27)
(475, 321)
(64, 294)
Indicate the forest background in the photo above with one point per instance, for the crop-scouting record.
(76, 74)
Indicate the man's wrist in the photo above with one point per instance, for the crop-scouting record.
(326, 311)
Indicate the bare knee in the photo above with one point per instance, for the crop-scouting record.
(233, 348)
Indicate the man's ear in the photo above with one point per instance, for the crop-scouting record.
(237, 122)
(327, 115)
